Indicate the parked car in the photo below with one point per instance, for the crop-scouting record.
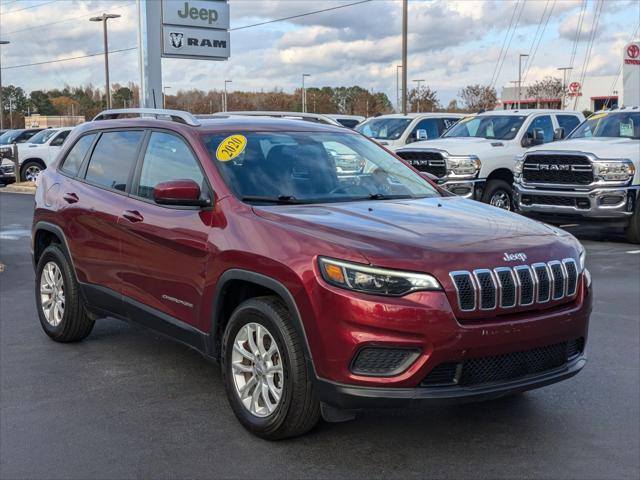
(309, 117)
(41, 149)
(7, 139)
(319, 293)
(475, 158)
(594, 175)
(349, 121)
(396, 130)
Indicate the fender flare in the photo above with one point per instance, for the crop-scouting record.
(267, 282)
(55, 229)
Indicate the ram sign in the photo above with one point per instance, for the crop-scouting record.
(197, 29)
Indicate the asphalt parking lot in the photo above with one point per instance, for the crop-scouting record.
(128, 403)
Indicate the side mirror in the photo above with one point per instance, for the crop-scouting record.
(558, 134)
(538, 136)
(421, 134)
(179, 192)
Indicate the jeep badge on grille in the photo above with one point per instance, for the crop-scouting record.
(514, 257)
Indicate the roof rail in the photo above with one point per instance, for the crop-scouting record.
(172, 115)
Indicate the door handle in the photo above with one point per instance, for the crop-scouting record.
(133, 216)
(70, 198)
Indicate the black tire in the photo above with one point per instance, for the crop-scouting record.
(498, 189)
(298, 410)
(30, 164)
(633, 230)
(76, 324)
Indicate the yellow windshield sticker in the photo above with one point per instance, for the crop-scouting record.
(466, 119)
(231, 147)
(597, 116)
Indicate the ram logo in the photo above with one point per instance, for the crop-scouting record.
(176, 39)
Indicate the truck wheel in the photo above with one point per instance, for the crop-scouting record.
(265, 373)
(499, 194)
(30, 170)
(633, 230)
(61, 309)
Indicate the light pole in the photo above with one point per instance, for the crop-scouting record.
(103, 18)
(2, 42)
(418, 92)
(304, 93)
(398, 106)
(405, 14)
(564, 84)
(164, 96)
(226, 105)
(520, 77)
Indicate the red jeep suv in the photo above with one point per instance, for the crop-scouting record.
(319, 289)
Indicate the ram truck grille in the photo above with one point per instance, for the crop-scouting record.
(519, 286)
(557, 169)
(429, 162)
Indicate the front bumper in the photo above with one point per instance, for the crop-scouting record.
(471, 189)
(350, 397)
(598, 203)
(7, 172)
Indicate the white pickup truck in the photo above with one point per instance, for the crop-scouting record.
(476, 157)
(36, 154)
(396, 130)
(593, 175)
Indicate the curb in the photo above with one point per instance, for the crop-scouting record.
(18, 189)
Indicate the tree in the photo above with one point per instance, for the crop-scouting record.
(40, 102)
(478, 97)
(15, 98)
(547, 88)
(423, 99)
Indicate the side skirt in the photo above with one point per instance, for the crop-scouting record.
(106, 301)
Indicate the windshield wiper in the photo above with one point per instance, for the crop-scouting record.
(382, 196)
(280, 200)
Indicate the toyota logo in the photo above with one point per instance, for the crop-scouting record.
(633, 51)
(574, 87)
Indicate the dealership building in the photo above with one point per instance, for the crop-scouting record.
(592, 94)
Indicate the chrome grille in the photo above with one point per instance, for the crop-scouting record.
(519, 286)
(557, 168)
(430, 162)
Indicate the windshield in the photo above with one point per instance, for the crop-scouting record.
(43, 136)
(384, 128)
(7, 137)
(312, 167)
(500, 127)
(618, 124)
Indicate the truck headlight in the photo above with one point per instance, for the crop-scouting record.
(517, 168)
(377, 281)
(614, 170)
(467, 166)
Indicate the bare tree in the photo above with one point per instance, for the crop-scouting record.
(424, 99)
(478, 97)
(547, 88)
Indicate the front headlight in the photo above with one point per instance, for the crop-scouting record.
(378, 281)
(583, 258)
(467, 166)
(519, 164)
(614, 170)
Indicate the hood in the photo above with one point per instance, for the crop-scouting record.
(461, 146)
(601, 147)
(435, 235)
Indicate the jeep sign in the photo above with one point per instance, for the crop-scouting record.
(190, 42)
(196, 13)
(195, 29)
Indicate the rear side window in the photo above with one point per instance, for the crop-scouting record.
(76, 155)
(112, 159)
(568, 122)
(167, 158)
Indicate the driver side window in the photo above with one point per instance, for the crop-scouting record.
(167, 158)
(543, 123)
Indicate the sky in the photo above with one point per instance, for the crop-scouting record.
(451, 43)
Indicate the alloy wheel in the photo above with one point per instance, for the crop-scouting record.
(31, 173)
(257, 370)
(52, 293)
(501, 199)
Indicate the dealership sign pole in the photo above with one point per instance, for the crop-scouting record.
(192, 29)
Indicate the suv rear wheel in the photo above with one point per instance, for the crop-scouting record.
(499, 194)
(60, 307)
(265, 372)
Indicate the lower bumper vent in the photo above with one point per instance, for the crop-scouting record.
(503, 368)
(383, 361)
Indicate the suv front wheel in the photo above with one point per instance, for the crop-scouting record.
(265, 373)
(60, 307)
